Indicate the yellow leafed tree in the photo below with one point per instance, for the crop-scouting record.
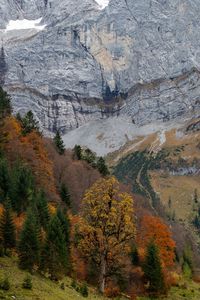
(107, 226)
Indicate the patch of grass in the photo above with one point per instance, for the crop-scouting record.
(186, 289)
(42, 288)
(181, 191)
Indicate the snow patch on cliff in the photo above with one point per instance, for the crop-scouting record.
(103, 3)
(25, 24)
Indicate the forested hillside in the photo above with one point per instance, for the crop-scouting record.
(67, 225)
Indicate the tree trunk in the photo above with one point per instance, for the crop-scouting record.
(102, 276)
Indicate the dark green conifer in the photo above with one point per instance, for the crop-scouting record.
(196, 222)
(101, 165)
(22, 186)
(195, 196)
(28, 123)
(54, 255)
(42, 209)
(90, 156)
(59, 143)
(65, 195)
(135, 256)
(65, 225)
(153, 270)
(77, 152)
(170, 202)
(29, 245)
(7, 229)
(4, 179)
(5, 104)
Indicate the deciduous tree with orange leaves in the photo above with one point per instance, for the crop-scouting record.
(152, 229)
(107, 226)
(31, 150)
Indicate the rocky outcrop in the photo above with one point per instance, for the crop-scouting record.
(138, 59)
(194, 126)
(3, 67)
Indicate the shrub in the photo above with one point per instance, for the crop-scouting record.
(133, 295)
(74, 284)
(187, 271)
(1, 251)
(112, 291)
(27, 283)
(196, 278)
(171, 279)
(84, 290)
(62, 286)
(5, 284)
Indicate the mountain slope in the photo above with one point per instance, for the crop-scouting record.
(43, 288)
(137, 58)
(164, 167)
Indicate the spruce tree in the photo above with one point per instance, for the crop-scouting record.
(101, 165)
(7, 229)
(42, 209)
(135, 256)
(22, 186)
(65, 225)
(77, 152)
(5, 104)
(153, 270)
(196, 222)
(28, 123)
(4, 179)
(65, 195)
(170, 202)
(29, 245)
(59, 143)
(90, 157)
(195, 196)
(54, 256)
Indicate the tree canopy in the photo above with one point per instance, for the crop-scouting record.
(107, 225)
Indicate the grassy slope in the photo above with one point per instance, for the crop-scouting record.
(187, 290)
(43, 289)
(179, 188)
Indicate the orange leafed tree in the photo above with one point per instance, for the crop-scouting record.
(107, 226)
(153, 229)
(30, 149)
(41, 165)
(1, 210)
(79, 265)
(19, 221)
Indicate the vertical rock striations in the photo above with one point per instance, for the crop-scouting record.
(135, 58)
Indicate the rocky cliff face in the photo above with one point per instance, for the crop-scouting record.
(135, 58)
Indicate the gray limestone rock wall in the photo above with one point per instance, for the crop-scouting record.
(136, 58)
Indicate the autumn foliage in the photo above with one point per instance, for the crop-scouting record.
(153, 229)
(107, 226)
(96, 233)
(112, 291)
(30, 149)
